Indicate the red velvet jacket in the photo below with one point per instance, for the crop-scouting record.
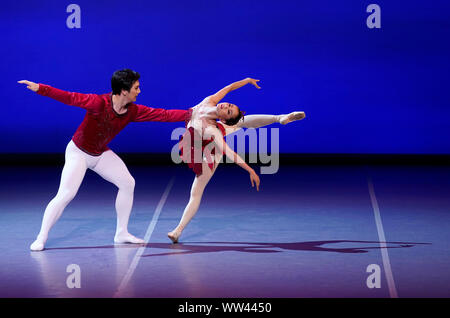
(102, 123)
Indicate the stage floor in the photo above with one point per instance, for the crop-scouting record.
(311, 231)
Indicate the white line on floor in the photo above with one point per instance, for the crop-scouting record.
(382, 239)
(148, 234)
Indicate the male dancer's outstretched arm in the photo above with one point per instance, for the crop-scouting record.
(92, 101)
(86, 101)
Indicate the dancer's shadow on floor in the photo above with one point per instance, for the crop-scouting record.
(251, 247)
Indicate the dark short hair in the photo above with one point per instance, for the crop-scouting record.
(123, 80)
(235, 120)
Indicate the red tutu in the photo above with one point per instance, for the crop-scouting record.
(190, 144)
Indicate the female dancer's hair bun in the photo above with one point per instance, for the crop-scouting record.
(235, 120)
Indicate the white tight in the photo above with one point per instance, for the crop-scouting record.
(109, 166)
(198, 186)
(256, 121)
(200, 182)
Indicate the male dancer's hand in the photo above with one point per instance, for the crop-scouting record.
(30, 85)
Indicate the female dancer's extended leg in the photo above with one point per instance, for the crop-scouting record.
(256, 121)
(198, 186)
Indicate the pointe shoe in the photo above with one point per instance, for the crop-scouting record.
(286, 119)
(174, 236)
(127, 238)
(37, 245)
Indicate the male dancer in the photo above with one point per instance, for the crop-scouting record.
(106, 116)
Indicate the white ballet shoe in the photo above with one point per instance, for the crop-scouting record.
(286, 119)
(127, 238)
(37, 245)
(174, 236)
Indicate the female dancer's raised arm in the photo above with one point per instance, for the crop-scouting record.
(217, 97)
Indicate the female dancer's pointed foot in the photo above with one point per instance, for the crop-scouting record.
(286, 119)
(174, 236)
(127, 238)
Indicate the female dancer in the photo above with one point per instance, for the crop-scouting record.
(106, 116)
(203, 129)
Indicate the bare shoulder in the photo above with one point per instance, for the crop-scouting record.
(209, 101)
(204, 102)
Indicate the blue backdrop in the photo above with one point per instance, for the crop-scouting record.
(364, 90)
